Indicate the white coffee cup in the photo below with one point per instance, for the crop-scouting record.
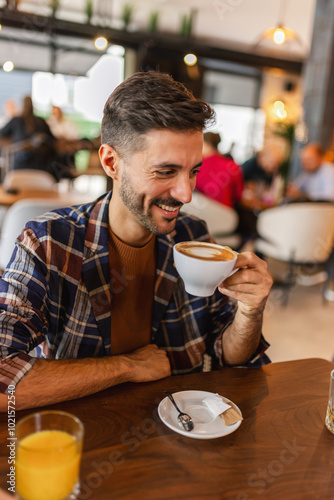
(203, 266)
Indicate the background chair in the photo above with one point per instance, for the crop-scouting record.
(15, 219)
(298, 234)
(29, 179)
(222, 221)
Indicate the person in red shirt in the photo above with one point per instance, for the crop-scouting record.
(220, 177)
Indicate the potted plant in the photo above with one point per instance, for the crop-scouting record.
(54, 4)
(89, 10)
(127, 15)
(186, 26)
(153, 21)
(287, 132)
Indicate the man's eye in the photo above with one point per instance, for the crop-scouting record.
(165, 173)
(196, 171)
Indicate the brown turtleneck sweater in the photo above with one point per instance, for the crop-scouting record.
(132, 277)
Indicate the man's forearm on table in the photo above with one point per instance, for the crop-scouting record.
(241, 338)
(51, 381)
(54, 381)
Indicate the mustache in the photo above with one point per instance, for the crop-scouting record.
(171, 202)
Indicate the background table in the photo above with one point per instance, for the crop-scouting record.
(69, 198)
(282, 450)
(8, 199)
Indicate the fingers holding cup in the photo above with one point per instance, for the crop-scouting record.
(251, 284)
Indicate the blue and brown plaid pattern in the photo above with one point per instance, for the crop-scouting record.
(56, 291)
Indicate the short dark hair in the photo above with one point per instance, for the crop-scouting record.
(212, 139)
(146, 101)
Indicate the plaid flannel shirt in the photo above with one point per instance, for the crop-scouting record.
(57, 290)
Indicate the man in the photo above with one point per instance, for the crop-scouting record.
(261, 189)
(60, 127)
(66, 133)
(31, 139)
(262, 168)
(10, 109)
(97, 282)
(316, 183)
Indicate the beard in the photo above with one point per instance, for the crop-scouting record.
(135, 204)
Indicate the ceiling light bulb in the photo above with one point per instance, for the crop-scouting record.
(190, 59)
(101, 43)
(279, 36)
(8, 66)
(281, 113)
(278, 105)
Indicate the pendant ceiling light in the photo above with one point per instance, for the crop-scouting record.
(279, 35)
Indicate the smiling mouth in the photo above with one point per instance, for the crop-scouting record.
(167, 208)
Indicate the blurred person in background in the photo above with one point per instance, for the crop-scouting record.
(263, 186)
(262, 168)
(31, 139)
(316, 182)
(10, 109)
(61, 127)
(220, 178)
(66, 133)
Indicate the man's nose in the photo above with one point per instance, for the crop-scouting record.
(183, 188)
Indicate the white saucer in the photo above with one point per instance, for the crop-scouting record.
(206, 426)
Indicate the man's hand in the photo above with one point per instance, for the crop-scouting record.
(5, 496)
(292, 192)
(250, 285)
(147, 364)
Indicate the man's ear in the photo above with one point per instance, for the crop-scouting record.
(110, 160)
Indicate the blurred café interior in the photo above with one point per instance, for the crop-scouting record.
(267, 68)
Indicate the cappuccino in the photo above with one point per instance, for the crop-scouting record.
(204, 251)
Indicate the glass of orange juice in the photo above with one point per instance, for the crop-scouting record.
(48, 453)
(330, 407)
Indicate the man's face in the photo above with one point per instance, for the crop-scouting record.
(269, 161)
(156, 182)
(310, 159)
(57, 113)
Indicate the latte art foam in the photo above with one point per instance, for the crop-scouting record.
(205, 251)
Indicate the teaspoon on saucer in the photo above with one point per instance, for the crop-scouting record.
(184, 419)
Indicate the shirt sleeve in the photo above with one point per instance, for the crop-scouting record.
(300, 181)
(7, 130)
(48, 130)
(326, 188)
(23, 323)
(12, 370)
(248, 169)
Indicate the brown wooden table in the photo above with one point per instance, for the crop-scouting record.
(8, 199)
(282, 450)
(70, 198)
